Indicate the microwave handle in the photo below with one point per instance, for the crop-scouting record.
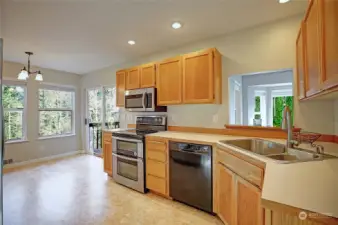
(143, 99)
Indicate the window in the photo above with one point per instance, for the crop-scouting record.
(279, 103)
(56, 111)
(14, 101)
(111, 114)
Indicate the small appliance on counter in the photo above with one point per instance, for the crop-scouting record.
(142, 100)
(191, 174)
(129, 151)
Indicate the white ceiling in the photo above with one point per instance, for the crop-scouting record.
(85, 35)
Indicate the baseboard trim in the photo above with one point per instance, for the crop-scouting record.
(39, 160)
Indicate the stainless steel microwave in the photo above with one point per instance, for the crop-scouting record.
(142, 100)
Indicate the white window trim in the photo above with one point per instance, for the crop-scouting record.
(23, 84)
(50, 86)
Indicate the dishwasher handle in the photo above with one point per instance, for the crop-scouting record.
(191, 152)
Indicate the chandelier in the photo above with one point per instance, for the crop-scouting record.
(24, 74)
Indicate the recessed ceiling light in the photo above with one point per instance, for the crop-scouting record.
(176, 25)
(131, 42)
(283, 1)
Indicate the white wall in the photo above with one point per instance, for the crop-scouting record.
(1, 20)
(35, 148)
(269, 47)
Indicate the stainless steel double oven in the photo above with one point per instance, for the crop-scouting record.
(128, 162)
(128, 151)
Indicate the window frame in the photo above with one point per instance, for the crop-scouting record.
(54, 87)
(22, 84)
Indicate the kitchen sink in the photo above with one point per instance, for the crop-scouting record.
(276, 151)
(258, 146)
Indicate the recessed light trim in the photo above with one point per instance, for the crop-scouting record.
(131, 42)
(283, 1)
(176, 25)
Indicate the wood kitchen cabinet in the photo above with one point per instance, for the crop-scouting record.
(313, 47)
(329, 20)
(238, 189)
(157, 165)
(202, 77)
(148, 75)
(226, 195)
(133, 78)
(120, 87)
(107, 153)
(300, 54)
(248, 203)
(169, 81)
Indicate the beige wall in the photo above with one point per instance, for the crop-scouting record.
(336, 116)
(265, 48)
(35, 148)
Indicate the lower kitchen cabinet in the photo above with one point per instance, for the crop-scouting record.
(157, 177)
(107, 153)
(248, 201)
(226, 195)
(238, 193)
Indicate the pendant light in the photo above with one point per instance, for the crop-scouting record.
(24, 73)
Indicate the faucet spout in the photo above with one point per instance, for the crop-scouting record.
(286, 125)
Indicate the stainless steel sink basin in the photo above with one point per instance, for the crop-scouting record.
(276, 151)
(258, 146)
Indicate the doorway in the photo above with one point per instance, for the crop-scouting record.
(101, 112)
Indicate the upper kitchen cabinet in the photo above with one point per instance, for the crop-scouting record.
(148, 75)
(312, 43)
(202, 77)
(133, 78)
(120, 87)
(329, 9)
(300, 52)
(169, 81)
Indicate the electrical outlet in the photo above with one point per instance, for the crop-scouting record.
(215, 118)
(8, 161)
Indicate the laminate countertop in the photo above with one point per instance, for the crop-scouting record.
(311, 186)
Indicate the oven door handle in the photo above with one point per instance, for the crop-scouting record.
(123, 157)
(126, 139)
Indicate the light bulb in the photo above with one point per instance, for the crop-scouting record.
(23, 75)
(39, 76)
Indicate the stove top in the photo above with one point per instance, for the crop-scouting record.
(144, 125)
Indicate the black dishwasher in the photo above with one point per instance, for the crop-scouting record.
(191, 174)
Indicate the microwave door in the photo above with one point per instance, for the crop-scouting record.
(135, 102)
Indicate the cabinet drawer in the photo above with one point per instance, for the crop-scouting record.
(156, 168)
(244, 169)
(156, 145)
(156, 184)
(107, 137)
(157, 155)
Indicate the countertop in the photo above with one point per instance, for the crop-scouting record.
(306, 185)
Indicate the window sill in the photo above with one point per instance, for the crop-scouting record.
(16, 141)
(56, 136)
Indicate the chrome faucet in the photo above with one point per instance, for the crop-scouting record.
(286, 125)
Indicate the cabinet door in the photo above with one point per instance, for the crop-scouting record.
(133, 78)
(226, 195)
(249, 209)
(107, 158)
(330, 43)
(148, 75)
(313, 63)
(169, 81)
(300, 63)
(198, 77)
(120, 87)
